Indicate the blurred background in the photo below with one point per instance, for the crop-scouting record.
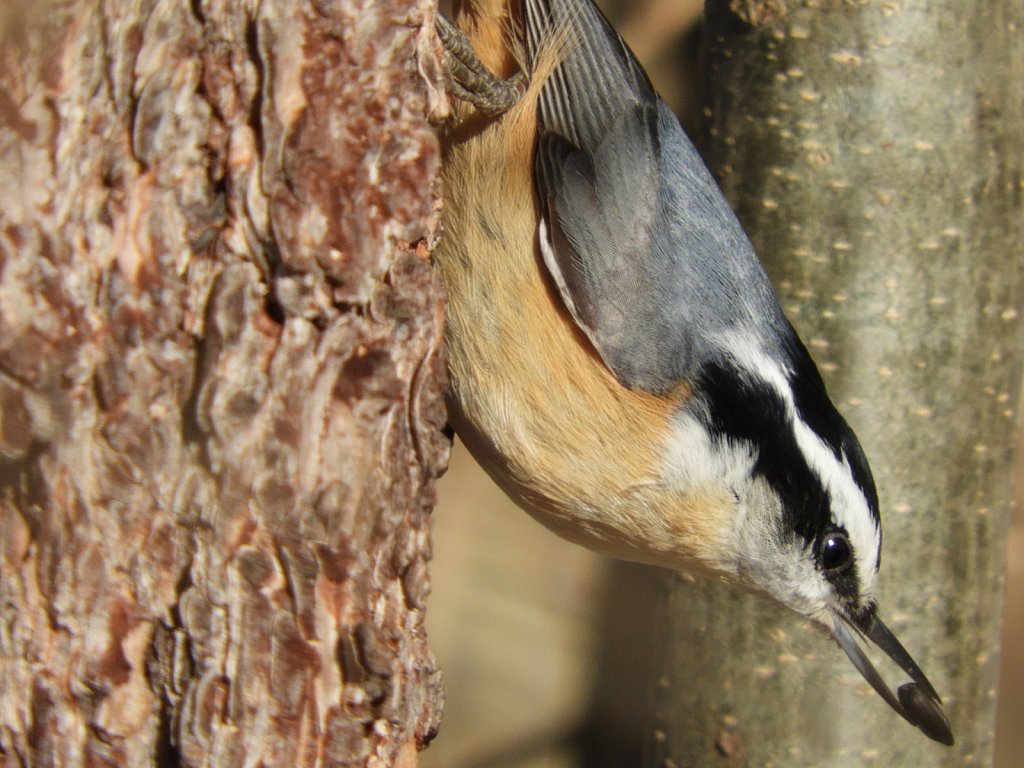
(518, 617)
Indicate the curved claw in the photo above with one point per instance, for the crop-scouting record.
(469, 79)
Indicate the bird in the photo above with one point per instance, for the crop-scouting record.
(619, 362)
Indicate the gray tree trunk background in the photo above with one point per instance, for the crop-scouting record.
(220, 382)
(875, 153)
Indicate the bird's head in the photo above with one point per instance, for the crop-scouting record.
(805, 526)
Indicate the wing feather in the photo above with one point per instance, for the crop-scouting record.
(647, 255)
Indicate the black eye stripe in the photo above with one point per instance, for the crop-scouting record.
(746, 408)
(737, 405)
(836, 559)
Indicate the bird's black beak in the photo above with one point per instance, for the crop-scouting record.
(916, 702)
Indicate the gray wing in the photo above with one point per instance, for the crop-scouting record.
(646, 253)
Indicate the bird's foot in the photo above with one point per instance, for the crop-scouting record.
(469, 80)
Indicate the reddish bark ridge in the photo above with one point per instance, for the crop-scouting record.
(220, 383)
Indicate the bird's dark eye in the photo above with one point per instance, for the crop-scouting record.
(834, 552)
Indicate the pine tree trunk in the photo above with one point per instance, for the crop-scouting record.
(875, 153)
(220, 382)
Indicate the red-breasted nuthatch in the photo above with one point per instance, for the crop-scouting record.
(619, 362)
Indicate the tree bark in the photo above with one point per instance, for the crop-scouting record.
(220, 382)
(874, 153)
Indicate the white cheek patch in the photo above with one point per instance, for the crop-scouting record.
(694, 460)
(780, 566)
